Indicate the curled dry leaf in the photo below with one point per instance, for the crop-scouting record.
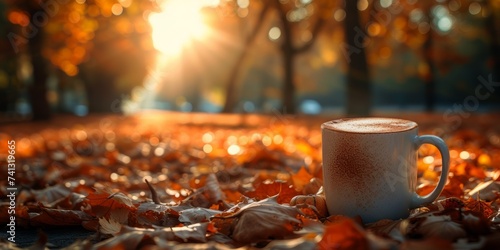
(196, 215)
(445, 204)
(441, 227)
(208, 194)
(293, 244)
(480, 207)
(130, 240)
(313, 187)
(387, 228)
(495, 219)
(155, 214)
(262, 220)
(51, 194)
(102, 203)
(317, 201)
(109, 226)
(154, 194)
(131, 237)
(486, 190)
(213, 191)
(474, 223)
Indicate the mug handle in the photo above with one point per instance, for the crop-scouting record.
(417, 200)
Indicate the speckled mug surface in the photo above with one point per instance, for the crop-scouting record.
(370, 167)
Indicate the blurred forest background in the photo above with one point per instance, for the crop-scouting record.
(246, 56)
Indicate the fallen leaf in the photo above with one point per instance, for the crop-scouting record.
(262, 220)
(387, 228)
(58, 217)
(51, 194)
(130, 240)
(480, 207)
(316, 201)
(441, 227)
(446, 204)
(284, 191)
(301, 179)
(292, 244)
(344, 234)
(487, 191)
(196, 215)
(475, 224)
(156, 214)
(427, 244)
(102, 203)
(109, 226)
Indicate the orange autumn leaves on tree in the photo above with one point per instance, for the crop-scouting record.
(74, 28)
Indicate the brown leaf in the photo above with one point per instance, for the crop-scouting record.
(51, 194)
(446, 204)
(262, 220)
(102, 203)
(441, 227)
(486, 190)
(155, 214)
(196, 215)
(58, 217)
(427, 244)
(481, 207)
(154, 194)
(387, 228)
(130, 240)
(475, 224)
(316, 201)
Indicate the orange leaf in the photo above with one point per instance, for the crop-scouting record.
(232, 195)
(301, 179)
(102, 203)
(344, 234)
(265, 190)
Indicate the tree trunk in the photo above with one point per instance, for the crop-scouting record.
(495, 42)
(429, 79)
(288, 55)
(38, 90)
(230, 99)
(358, 82)
(101, 90)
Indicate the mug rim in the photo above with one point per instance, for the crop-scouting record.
(327, 125)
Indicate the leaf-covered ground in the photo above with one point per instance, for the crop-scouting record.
(251, 182)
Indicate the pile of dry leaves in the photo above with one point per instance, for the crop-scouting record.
(189, 186)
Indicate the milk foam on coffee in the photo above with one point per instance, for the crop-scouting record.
(370, 125)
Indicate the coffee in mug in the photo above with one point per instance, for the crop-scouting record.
(370, 167)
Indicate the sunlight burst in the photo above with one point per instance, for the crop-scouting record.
(180, 23)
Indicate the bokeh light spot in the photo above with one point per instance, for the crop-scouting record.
(274, 33)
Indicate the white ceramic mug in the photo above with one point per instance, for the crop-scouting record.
(370, 167)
